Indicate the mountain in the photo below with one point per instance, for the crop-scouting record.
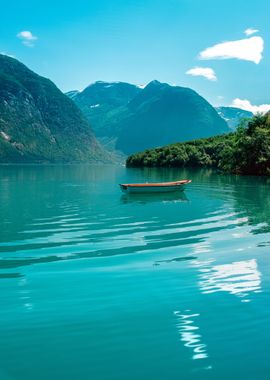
(38, 123)
(72, 94)
(233, 115)
(162, 114)
(140, 118)
(101, 102)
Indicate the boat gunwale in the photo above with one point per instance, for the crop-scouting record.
(157, 184)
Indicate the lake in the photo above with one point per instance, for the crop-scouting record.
(95, 284)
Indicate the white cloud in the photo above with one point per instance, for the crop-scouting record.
(250, 31)
(245, 104)
(27, 38)
(205, 72)
(248, 49)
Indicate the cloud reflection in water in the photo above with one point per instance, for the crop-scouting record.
(239, 278)
(189, 334)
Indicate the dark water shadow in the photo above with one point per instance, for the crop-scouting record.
(15, 263)
(176, 260)
(10, 275)
(178, 196)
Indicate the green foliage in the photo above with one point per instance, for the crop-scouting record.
(246, 151)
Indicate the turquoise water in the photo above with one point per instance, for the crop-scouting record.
(98, 285)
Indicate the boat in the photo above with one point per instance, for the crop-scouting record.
(161, 187)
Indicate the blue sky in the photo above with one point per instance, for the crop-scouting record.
(76, 43)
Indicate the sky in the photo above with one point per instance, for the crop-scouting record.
(219, 48)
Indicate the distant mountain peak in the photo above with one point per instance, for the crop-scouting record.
(156, 84)
(233, 115)
(102, 83)
(71, 94)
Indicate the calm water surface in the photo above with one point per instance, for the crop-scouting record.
(97, 285)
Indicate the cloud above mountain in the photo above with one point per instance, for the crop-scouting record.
(27, 38)
(246, 105)
(206, 72)
(248, 49)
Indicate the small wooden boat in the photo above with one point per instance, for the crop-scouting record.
(162, 187)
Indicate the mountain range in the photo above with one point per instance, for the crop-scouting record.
(141, 118)
(38, 123)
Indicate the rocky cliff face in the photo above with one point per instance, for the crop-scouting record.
(38, 123)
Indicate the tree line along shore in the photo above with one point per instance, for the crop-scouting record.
(245, 151)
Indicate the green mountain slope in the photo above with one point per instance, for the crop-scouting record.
(233, 116)
(102, 102)
(161, 114)
(156, 115)
(38, 123)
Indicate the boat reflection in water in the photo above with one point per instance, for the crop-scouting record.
(154, 197)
